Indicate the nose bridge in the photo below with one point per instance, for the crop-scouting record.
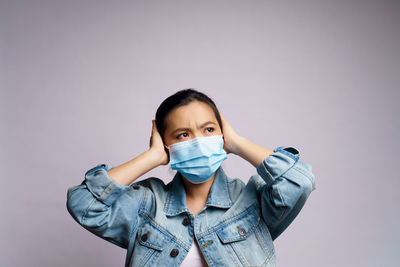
(197, 132)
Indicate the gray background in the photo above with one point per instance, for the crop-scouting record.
(81, 80)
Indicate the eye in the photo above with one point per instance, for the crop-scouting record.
(209, 129)
(182, 135)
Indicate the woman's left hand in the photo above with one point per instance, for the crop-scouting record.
(241, 146)
(230, 136)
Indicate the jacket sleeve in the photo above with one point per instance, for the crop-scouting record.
(289, 182)
(104, 207)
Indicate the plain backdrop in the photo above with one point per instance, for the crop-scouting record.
(81, 81)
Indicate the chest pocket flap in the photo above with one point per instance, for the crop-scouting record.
(239, 229)
(151, 237)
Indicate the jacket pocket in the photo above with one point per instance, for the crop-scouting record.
(149, 244)
(246, 241)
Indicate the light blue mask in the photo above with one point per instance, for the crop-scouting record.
(197, 159)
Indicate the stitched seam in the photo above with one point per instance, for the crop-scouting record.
(240, 256)
(167, 203)
(207, 257)
(232, 254)
(287, 153)
(282, 172)
(267, 259)
(136, 222)
(244, 237)
(84, 213)
(108, 188)
(149, 244)
(281, 197)
(227, 221)
(229, 193)
(92, 230)
(146, 257)
(270, 177)
(303, 173)
(167, 207)
(162, 229)
(259, 239)
(269, 252)
(279, 220)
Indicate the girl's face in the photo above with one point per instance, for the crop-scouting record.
(195, 119)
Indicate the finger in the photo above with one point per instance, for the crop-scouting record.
(152, 132)
(224, 121)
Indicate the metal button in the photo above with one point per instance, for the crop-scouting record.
(174, 252)
(241, 231)
(186, 221)
(144, 237)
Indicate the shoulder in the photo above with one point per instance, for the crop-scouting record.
(244, 195)
(235, 183)
(235, 187)
(154, 192)
(256, 182)
(151, 184)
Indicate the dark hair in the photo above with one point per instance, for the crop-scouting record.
(182, 98)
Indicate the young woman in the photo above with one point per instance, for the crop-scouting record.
(202, 217)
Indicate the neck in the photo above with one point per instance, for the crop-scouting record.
(198, 192)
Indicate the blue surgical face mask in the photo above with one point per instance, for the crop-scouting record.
(197, 159)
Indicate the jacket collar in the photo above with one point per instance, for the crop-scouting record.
(218, 197)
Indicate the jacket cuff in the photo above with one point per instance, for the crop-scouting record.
(102, 186)
(277, 163)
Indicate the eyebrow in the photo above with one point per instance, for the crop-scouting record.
(188, 129)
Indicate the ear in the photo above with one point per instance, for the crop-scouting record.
(166, 150)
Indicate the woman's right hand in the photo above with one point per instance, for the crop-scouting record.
(157, 146)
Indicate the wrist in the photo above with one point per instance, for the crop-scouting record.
(237, 145)
(155, 157)
(250, 151)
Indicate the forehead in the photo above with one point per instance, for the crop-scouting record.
(195, 112)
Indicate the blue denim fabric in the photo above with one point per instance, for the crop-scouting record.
(236, 227)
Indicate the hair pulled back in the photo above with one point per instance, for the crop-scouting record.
(182, 98)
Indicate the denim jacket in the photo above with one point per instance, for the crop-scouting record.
(236, 227)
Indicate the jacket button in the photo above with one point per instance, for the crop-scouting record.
(186, 221)
(174, 252)
(144, 237)
(241, 231)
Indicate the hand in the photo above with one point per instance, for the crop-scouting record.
(230, 137)
(157, 146)
(243, 147)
